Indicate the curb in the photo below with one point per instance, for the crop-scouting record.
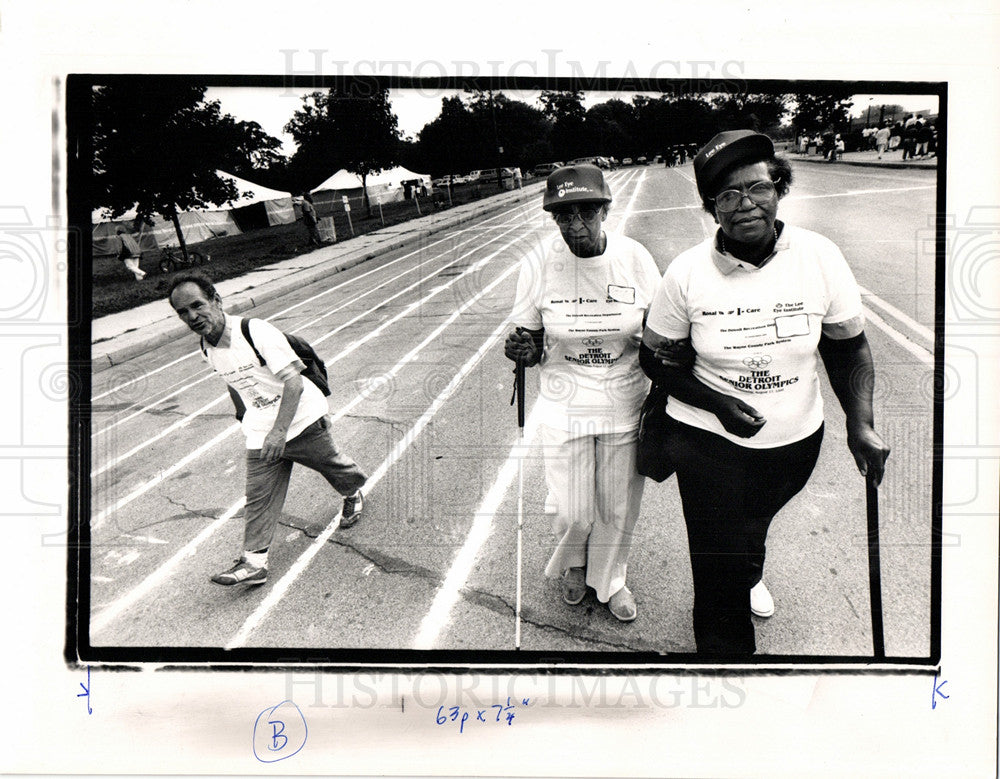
(169, 329)
(922, 165)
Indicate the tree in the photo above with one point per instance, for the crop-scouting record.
(157, 146)
(610, 127)
(343, 129)
(816, 113)
(451, 142)
(566, 112)
(746, 111)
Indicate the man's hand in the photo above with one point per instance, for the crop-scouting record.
(869, 450)
(274, 445)
(520, 345)
(738, 418)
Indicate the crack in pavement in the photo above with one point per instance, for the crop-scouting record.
(495, 603)
(395, 424)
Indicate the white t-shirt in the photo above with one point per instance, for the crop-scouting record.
(592, 310)
(258, 386)
(756, 330)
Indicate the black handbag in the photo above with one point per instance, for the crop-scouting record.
(652, 459)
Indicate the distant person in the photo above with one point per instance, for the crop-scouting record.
(881, 140)
(128, 253)
(285, 420)
(895, 136)
(310, 221)
(518, 179)
(910, 138)
(923, 136)
(829, 146)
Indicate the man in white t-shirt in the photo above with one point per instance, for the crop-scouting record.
(285, 419)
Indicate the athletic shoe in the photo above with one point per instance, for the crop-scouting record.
(351, 512)
(574, 585)
(622, 605)
(241, 573)
(761, 602)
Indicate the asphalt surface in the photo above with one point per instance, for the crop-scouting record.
(413, 343)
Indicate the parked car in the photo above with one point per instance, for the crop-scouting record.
(641, 161)
(627, 161)
(544, 168)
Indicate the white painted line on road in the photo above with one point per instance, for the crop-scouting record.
(183, 422)
(161, 574)
(98, 519)
(113, 610)
(447, 237)
(922, 354)
(115, 461)
(620, 229)
(853, 193)
(439, 613)
(350, 301)
(285, 582)
(431, 337)
(899, 316)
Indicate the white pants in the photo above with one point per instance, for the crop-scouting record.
(133, 265)
(599, 492)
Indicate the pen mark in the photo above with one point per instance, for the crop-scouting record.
(937, 691)
(279, 732)
(86, 691)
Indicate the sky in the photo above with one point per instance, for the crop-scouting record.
(271, 108)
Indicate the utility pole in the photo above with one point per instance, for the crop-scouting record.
(496, 141)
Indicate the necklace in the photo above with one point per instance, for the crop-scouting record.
(722, 239)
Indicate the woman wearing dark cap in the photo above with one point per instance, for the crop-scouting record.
(762, 303)
(581, 300)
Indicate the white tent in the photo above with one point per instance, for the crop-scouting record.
(277, 205)
(386, 185)
(257, 206)
(195, 225)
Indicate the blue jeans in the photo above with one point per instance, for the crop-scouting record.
(267, 483)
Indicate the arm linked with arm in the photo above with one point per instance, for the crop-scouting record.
(664, 361)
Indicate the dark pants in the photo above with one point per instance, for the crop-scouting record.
(267, 483)
(730, 494)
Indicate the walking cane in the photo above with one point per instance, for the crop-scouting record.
(874, 568)
(519, 394)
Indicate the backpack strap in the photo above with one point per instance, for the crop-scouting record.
(245, 329)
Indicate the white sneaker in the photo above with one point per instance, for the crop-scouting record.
(761, 602)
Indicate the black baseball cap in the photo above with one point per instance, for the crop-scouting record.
(727, 150)
(575, 184)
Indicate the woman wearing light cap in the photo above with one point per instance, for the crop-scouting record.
(580, 304)
(762, 302)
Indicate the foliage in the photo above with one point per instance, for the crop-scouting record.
(157, 147)
(357, 131)
(819, 113)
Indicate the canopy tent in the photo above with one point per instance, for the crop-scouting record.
(386, 185)
(258, 206)
(195, 225)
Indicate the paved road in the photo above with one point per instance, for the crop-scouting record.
(420, 398)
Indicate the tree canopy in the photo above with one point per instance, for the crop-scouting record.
(157, 147)
(343, 129)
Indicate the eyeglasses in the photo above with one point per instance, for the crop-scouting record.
(586, 213)
(761, 194)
